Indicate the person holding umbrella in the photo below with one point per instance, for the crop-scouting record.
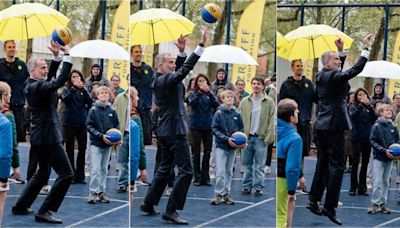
(332, 120)
(172, 130)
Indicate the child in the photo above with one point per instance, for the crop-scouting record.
(101, 118)
(383, 134)
(135, 142)
(226, 121)
(6, 144)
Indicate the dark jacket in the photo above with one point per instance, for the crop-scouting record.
(380, 97)
(77, 104)
(15, 74)
(202, 105)
(141, 79)
(383, 134)
(100, 119)
(91, 79)
(169, 93)
(42, 101)
(225, 123)
(362, 118)
(302, 92)
(216, 83)
(332, 88)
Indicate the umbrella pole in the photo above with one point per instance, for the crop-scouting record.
(152, 29)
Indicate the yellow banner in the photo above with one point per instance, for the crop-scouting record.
(248, 38)
(394, 85)
(120, 35)
(21, 49)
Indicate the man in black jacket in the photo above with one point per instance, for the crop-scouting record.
(41, 93)
(332, 119)
(172, 130)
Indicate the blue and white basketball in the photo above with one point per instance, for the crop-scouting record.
(114, 135)
(61, 35)
(210, 13)
(395, 148)
(240, 138)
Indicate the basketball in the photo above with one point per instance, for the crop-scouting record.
(61, 35)
(395, 148)
(114, 135)
(240, 138)
(210, 13)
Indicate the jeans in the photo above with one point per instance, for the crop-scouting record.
(122, 159)
(98, 173)
(224, 161)
(253, 163)
(380, 186)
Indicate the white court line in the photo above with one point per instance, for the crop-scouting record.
(108, 177)
(75, 197)
(265, 178)
(388, 222)
(235, 212)
(197, 198)
(98, 215)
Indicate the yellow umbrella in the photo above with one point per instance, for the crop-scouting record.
(280, 40)
(311, 41)
(153, 26)
(29, 20)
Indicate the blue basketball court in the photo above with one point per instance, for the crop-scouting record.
(248, 211)
(74, 211)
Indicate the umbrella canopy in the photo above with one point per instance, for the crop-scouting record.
(381, 69)
(153, 26)
(99, 49)
(227, 54)
(280, 40)
(29, 20)
(311, 41)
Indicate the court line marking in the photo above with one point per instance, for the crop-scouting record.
(235, 212)
(196, 198)
(75, 197)
(388, 222)
(98, 215)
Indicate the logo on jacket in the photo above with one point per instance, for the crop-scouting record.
(306, 85)
(110, 115)
(146, 72)
(235, 118)
(19, 67)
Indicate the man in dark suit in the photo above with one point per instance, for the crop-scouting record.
(172, 130)
(41, 93)
(332, 119)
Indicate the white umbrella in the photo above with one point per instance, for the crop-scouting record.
(381, 69)
(99, 49)
(227, 54)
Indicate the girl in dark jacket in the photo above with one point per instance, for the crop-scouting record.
(77, 103)
(202, 101)
(362, 116)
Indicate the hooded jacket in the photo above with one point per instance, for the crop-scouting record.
(202, 105)
(226, 122)
(216, 83)
(15, 74)
(383, 134)
(100, 119)
(6, 144)
(91, 79)
(141, 79)
(289, 147)
(379, 97)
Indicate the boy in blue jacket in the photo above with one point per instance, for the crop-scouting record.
(6, 144)
(227, 120)
(289, 155)
(100, 119)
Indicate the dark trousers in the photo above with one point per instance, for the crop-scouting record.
(33, 165)
(269, 154)
(145, 117)
(201, 172)
(174, 151)
(363, 148)
(70, 133)
(49, 156)
(19, 115)
(171, 177)
(330, 167)
(304, 130)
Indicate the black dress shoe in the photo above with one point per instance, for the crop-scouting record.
(148, 209)
(196, 183)
(331, 214)
(21, 211)
(314, 208)
(352, 192)
(174, 218)
(46, 218)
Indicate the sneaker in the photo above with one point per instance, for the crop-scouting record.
(302, 190)
(267, 169)
(92, 198)
(45, 190)
(258, 192)
(339, 204)
(384, 208)
(228, 200)
(246, 191)
(373, 209)
(216, 200)
(212, 175)
(168, 191)
(121, 189)
(16, 180)
(103, 198)
(142, 183)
